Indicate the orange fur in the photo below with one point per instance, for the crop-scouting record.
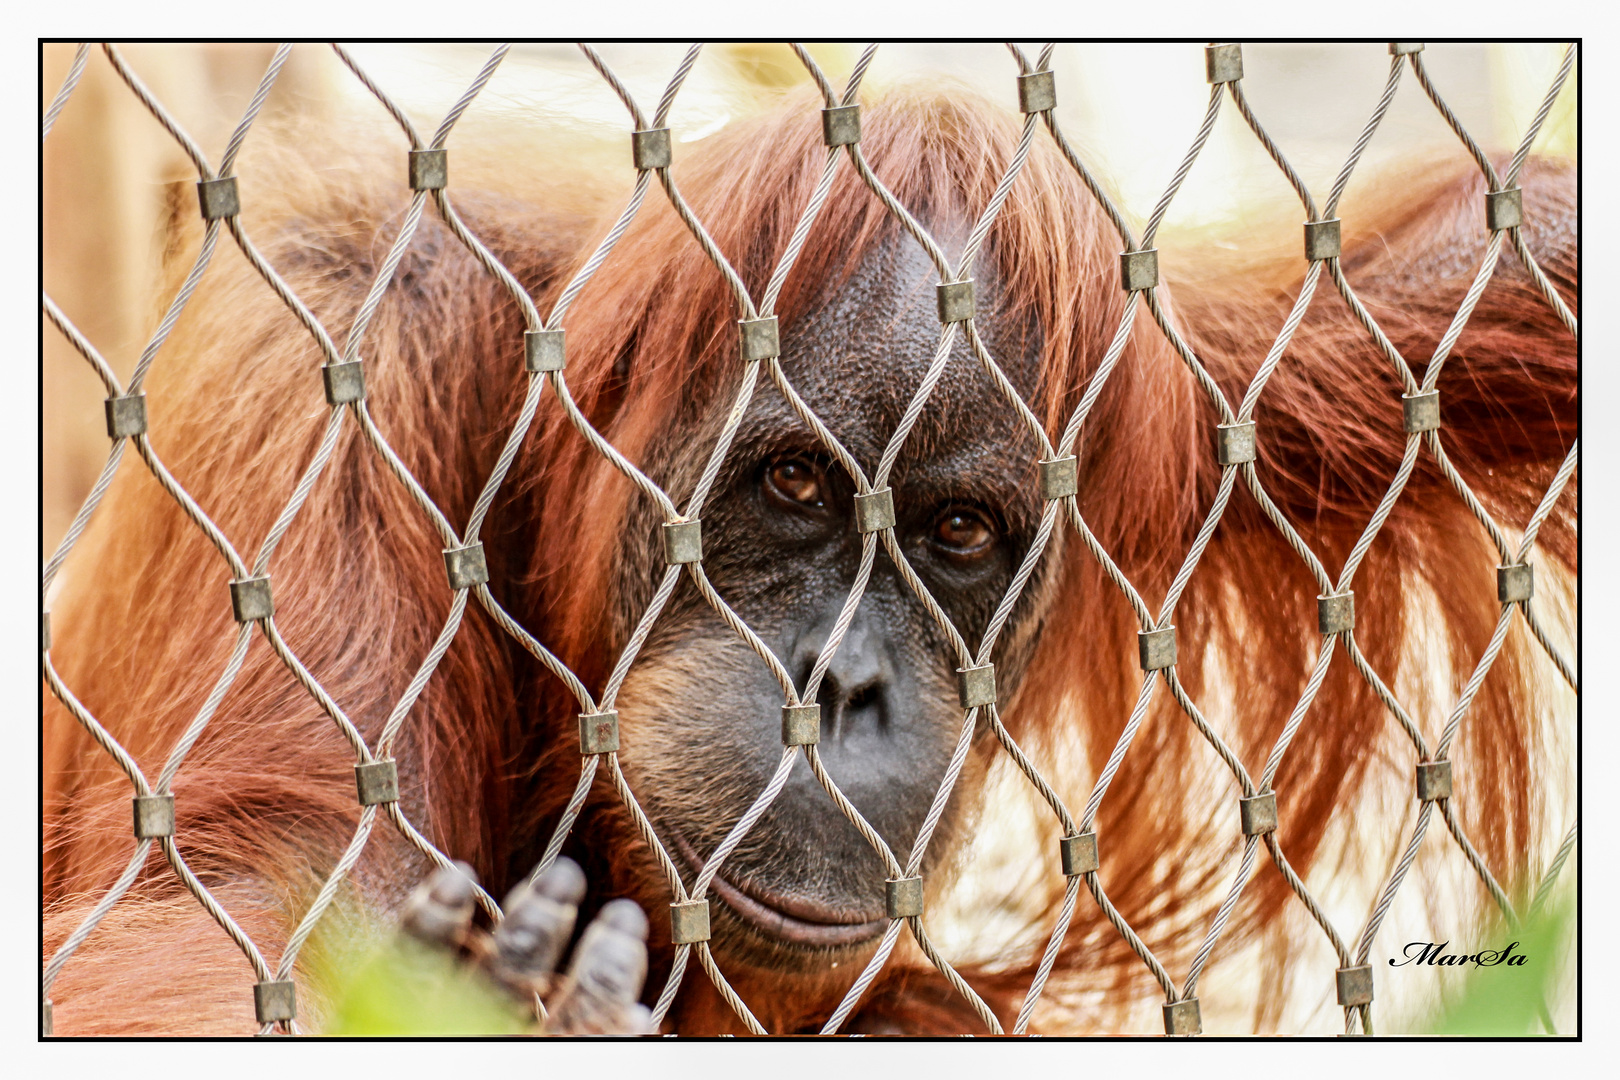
(265, 802)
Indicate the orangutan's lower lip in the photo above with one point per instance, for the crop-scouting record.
(791, 919)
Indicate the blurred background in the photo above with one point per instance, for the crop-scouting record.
(1131, 110)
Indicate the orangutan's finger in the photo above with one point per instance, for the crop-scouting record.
(599, 996)
(440, 909)
(539, 920)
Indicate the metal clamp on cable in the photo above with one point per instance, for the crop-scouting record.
(219, 198)
(1433, 780)
(1420, 412)
(251, 599)
(598, 733)
(1037, 93)
(1234, 443)
(377, 782)
(126, 416)
(275, 1001)
(1079, 853)
(874, 511)
(1183, 1018)
(683, 542)
(841, 125)
(1355, 985)
(976, 686)
(1504, 209)
(759, 339)
(543, 350)
(689, 922)
(1321, 240)
(1156, 648)
(801, 725)
(1060, 477)
(1336, 613)
(1139, 270)
(955, 300)
(903, 897)
(343, 383)
(465, 566)
(154, 816)
(1515, 584)
(1258, 814)
(429, 170)
(649, 148)
(1223, 63)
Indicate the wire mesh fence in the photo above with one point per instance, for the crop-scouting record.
(1030, 86)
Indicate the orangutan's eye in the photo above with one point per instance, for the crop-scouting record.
(796, 482)
(964, 533)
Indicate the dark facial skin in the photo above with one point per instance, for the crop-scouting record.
(702, 713)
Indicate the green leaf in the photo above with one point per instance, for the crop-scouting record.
(1512, 1000)
(403, 988)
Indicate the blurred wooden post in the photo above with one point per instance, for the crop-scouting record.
(106, 170)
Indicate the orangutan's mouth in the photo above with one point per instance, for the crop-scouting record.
(795, 920)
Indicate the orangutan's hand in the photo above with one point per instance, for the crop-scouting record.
(598, 993)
